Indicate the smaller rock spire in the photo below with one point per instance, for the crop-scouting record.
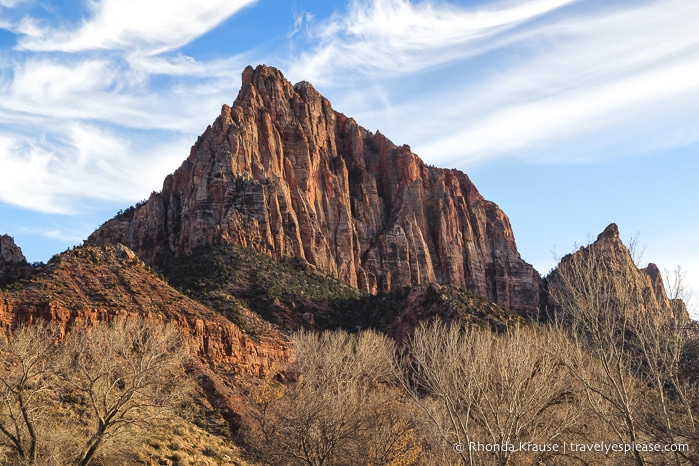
(611, 232)
(13, 264)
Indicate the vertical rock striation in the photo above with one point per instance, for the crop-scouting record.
(280, 171)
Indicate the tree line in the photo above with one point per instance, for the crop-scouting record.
(609, 367)
(608, 379)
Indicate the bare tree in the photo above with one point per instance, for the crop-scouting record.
(490, 389)
(26, 376)
(597, 296)
(124, 374)
(658, 345)
(438, 367)
(628, 341)
(343, 408)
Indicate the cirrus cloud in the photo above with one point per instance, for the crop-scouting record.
(148, 25)
(529, 79)
(384, 38)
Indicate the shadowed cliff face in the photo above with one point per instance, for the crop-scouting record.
(13, 264)
(282, 172)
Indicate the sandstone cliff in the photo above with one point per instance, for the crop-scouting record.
(92, 283)
(13, 264)
(606, 270)
(282, 172)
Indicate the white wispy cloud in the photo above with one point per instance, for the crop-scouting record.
(149, 25)
(518, 79)
(385, 38)
(300, 19)
(10, 3)
(627, 75)
(85, 164)
(625, 104)
(118, 93)
(47, 81)
(104, 111)
(73, 235)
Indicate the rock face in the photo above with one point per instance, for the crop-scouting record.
(282, 172)
(92, 284)
(607, 267)
(13, 264)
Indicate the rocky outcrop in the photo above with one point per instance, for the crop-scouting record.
(656, 283)
(606, 271)
(282, 172)
(13, 264)
(92, 284)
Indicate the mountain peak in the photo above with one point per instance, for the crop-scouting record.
(283, 173)
(610, 233)
(609, 257)
(268, 81)
(252, 75)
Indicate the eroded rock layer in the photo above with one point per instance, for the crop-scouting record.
(92, 284)
(281, 172)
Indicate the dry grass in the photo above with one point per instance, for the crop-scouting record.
(181, 443)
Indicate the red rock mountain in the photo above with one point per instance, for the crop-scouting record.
(92, 284)
(608, 266)
(282, 172)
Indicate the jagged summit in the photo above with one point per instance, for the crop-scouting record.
(609, 256)
(611, 233)
(281, 172)
(13, 264)
(10, 253)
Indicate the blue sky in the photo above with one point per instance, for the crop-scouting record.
(568, 114)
